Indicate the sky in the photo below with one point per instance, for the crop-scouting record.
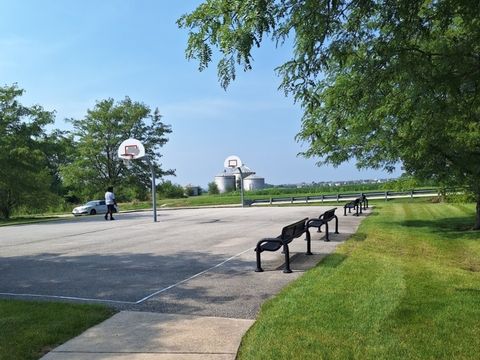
(67, 55)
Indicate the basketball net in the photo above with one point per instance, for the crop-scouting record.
(127, 160)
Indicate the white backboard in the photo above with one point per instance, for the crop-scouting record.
(232, 161)
(131, 149)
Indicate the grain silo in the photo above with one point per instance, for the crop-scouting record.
(253, 182)
(225, 182)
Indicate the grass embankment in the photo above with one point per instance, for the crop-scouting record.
(27, 220)
(30, 329)
(406, 286)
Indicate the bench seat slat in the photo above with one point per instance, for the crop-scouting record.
(270, 246)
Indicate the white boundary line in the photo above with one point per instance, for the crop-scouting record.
(69, 298)
(130, 302)
(191, 277)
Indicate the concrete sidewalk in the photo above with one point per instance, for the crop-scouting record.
(151, 336)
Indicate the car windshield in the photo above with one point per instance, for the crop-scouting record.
(91, 203)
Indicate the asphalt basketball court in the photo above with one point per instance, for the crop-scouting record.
(192, 261)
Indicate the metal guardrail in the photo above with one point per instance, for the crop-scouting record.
(346, 196)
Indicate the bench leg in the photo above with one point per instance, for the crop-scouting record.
(259, 264)
(336, 224)
(326, 232)
(308, 238)
(344, 211)
(287, 269)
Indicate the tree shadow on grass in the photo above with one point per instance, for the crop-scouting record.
(332, 260)
(455, 228)
(359, 236)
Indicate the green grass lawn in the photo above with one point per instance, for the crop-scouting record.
(30, 329)
(406, 286)
(26, 220)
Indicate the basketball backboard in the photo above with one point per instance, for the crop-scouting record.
(233, 162)
(131, 149)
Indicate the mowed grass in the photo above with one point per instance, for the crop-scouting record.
(29, 329)
(405, 286)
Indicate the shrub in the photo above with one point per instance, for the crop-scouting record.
(169, 190)
(213, 188)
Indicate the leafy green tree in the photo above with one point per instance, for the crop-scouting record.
(59, 150)
(213, 188)
(98, 136)
(381, 82)
(168, 190)
(25, 179)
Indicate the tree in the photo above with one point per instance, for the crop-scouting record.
(58, 147)
(168, 190)
(213, 188)
(98, 136)
(25, 179)
(381, 82)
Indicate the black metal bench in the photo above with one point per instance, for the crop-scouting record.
(364, 201)
(354, 204)
(323, 220)
(289, 233)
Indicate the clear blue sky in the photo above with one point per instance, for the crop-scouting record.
(68, 54)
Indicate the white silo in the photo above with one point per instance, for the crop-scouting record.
(225, 182)
(253, 182)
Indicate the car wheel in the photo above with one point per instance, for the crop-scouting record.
(93, 212)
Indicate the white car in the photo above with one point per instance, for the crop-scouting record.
(92, 208)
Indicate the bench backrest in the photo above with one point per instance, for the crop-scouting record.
(328, 215)
(294, 230)
(355, 202)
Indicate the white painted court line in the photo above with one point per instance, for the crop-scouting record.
(128, 302)
(69, 298)
(192, 277)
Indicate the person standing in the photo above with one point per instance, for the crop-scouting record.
(110, 202)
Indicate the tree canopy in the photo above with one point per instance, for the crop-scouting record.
(380, 81)
(97, 138)
(25, 177)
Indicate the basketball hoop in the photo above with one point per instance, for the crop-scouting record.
(127, 160)
(132, 149)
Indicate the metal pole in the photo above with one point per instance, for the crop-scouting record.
(154, 192)
(241, 185)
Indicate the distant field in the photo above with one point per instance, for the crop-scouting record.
(203, 200)
(406, 286)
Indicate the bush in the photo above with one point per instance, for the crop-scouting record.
(192, 190)
(213, 188)
(168, 190)
(459, 197)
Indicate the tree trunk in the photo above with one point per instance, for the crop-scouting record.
(477, 216)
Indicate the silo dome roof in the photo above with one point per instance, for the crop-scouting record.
(254, 177)
(225, 174)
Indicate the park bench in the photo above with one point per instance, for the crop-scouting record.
(354, 204)
(364, 201)
(323, 220)
(289, 233)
